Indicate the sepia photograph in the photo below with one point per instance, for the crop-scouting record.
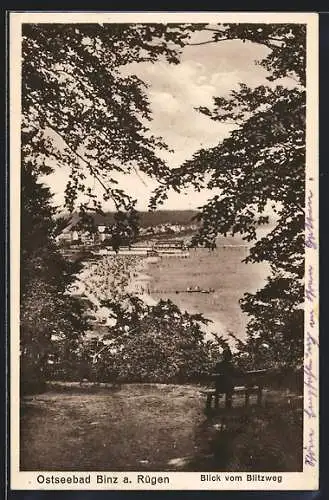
(164, 246)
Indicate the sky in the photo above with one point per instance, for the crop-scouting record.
(205, 71)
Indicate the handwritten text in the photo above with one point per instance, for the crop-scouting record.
(310, 241)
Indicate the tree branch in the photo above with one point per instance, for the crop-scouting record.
(301, 209)
(206, 43)
(91, 168)
(269, 45)
(213, 30)
(140, 178)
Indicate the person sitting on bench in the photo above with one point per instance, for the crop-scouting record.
(224, 384)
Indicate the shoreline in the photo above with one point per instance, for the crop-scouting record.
(152, 278)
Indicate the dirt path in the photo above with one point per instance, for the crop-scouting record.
(136, 428)
(154, 427)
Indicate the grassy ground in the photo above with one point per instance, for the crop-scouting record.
(221, 270)
(155, 427)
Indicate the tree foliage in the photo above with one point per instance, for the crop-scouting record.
(156, 343)
(46, 311)
(81, 113)
(124, 231)
(257, 170)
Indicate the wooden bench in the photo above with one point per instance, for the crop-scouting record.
(251, 382)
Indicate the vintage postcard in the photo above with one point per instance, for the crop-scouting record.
(164, 251)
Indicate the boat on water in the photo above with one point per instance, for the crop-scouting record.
(197, 289)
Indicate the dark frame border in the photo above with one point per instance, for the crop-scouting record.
(324, 268)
